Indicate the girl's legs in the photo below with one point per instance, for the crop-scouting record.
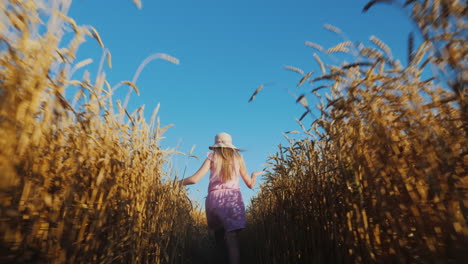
(220, 246)
(232, 244)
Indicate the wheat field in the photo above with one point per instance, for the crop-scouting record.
(380, 176)
(82, 179)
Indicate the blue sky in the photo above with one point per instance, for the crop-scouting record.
(226, 50)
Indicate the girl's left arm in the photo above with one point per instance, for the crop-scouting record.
(198, 175)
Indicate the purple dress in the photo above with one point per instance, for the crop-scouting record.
(224, 206)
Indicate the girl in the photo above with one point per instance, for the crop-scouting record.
(224, 207)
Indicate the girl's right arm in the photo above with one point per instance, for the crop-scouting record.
(198, 175)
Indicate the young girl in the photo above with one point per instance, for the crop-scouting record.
(224, 207)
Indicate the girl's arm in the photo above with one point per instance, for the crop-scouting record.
(249, 181)
(198, 175)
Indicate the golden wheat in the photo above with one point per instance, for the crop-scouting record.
(79, 182)
(314, 45)
(294, 69)
(380, 177)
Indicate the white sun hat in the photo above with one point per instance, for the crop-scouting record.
(223, 140)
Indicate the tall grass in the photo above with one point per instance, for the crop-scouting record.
(380, 176)
(80, 181)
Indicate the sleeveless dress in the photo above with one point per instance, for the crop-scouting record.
(224, 206)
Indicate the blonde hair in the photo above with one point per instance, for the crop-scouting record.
(225, 162)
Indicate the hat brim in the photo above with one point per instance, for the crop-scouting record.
(222, 145)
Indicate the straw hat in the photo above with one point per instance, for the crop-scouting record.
(223, 140)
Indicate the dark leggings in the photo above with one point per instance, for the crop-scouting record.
(227, 246)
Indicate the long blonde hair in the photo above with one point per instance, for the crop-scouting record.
(225, 162)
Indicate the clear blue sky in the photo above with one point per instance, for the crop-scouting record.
(226, 50)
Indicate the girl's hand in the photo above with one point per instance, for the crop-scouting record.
(254, 177)
(257, 173)
(180, 183)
